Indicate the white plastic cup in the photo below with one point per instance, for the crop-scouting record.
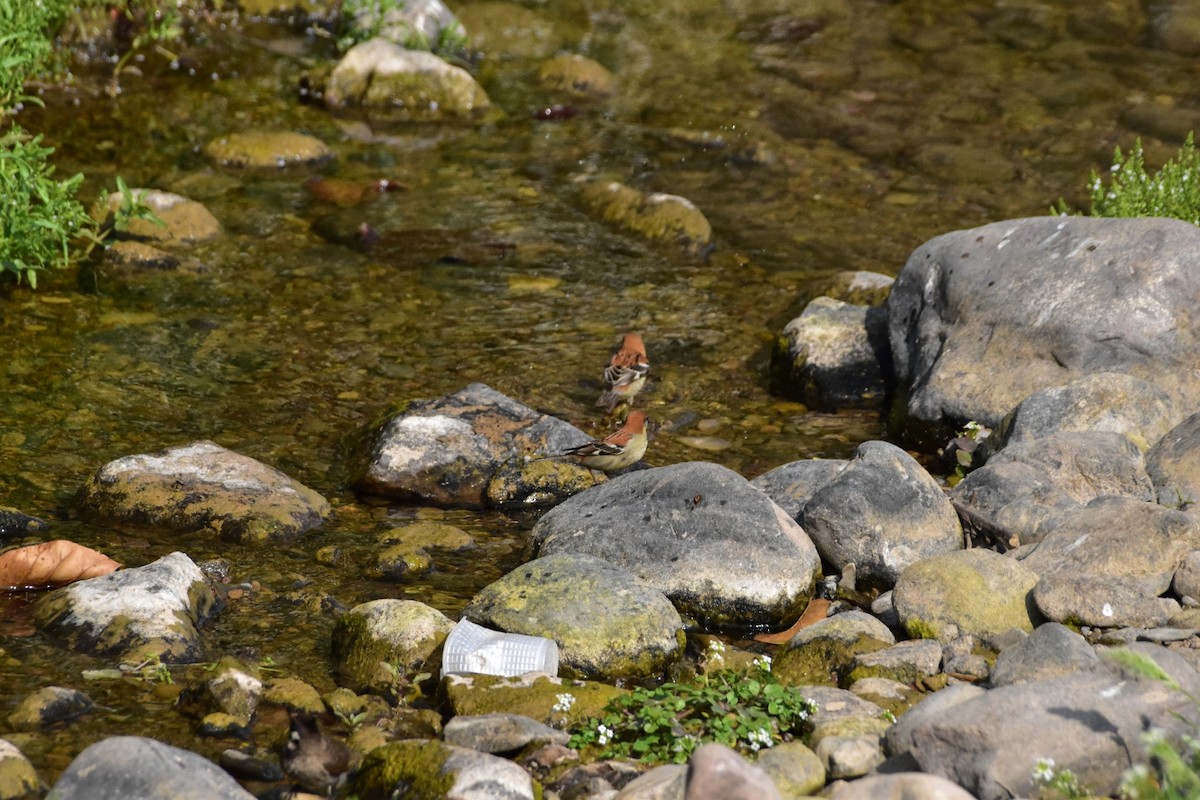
(474, 648)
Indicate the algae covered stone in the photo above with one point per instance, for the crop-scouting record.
(203, 486)
(433, 770)
(661, 217)
(375, 642)
(976, 592)
(607, 622)
(266, 149)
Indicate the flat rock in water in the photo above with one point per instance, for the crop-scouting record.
(203, 486)
(133, 613)
(266, 149)
(472, 449)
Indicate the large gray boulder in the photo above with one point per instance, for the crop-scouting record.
(1092, 723)
(979, 319)
(124, 767)
(1026, 487)
(1113, 557)
(700, 533)
(882, 514)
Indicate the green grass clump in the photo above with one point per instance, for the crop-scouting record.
(1173, 191)
(39, 215)
(746, 712)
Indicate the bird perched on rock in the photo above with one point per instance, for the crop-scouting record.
(625, 374)
(316, 761)
(619, 450)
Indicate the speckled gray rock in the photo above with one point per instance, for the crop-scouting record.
(472, 449)
(715, 545)
(373, 635)
(792, 484)
(135, 613)
(834, 355)
(1100, 601)
(1174, 465)
(882, 513)
(1053, 649)
(500, 733)
(976, 592)
(124, 767)
(1028, 485)
(979, 319)
(1138, 544)
(203, 486)
(667, 782)
(1106, 402)
(898, 739)
(1091, 723)
(607, 622)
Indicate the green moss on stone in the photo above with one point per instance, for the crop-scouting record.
(919, 629)
(417, 768)
(822, 661)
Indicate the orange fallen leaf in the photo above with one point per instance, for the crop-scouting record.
(51, 564)
(816, 611)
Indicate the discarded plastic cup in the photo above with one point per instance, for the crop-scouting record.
(474, 648)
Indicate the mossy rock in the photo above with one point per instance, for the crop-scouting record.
(822, 661)
(418, 766)
(473, 695)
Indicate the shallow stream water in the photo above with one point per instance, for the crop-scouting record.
(816, 137)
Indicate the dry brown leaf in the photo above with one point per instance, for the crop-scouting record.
(51, 564)
(816, 611)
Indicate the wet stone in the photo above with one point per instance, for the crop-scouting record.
(266, 149)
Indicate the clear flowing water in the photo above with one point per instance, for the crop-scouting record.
(816, 137)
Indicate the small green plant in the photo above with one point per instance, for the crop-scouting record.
(1174, 191)
(1173, 768)
(1057, 783)
(39, 216)
(152, 670)
(743, 711)
(25, 32)
(155, 26)
(963, 447)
